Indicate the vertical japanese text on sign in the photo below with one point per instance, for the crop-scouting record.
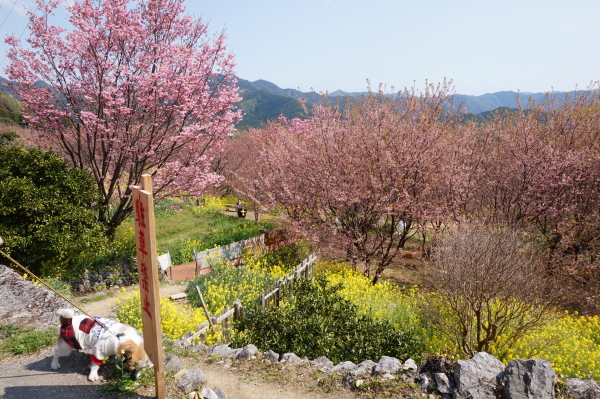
(140, 214)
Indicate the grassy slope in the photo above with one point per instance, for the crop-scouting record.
(173, 228)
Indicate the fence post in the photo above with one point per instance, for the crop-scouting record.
(204, 307)
(262, 300)
(196, 267)
(238, 313)
(225, 326)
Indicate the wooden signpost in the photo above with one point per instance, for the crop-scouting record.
(145, 237)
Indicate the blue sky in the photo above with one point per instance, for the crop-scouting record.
(483, 45)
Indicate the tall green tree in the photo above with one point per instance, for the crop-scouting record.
(47, 210)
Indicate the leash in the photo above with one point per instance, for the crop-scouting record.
(56, 292)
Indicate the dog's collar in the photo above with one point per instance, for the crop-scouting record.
(97, 361)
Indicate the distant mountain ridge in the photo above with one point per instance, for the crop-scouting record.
(474, 104)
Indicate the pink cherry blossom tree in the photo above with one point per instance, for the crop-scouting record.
(365, 170)
(132, 88)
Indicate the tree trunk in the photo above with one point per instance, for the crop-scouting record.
(367, 270)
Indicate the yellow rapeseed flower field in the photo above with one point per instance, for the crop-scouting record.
(571, 343)
(382, 301)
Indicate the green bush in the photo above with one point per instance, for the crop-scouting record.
(47, 210)
(121, 249)
(8, 136)
(10, 109)
(318, 322)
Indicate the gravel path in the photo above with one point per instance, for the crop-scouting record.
(30, 377)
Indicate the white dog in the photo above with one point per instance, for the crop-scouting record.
(104, 337)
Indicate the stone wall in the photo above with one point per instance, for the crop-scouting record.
(125, 274)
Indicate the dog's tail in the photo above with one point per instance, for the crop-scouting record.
(65, 313)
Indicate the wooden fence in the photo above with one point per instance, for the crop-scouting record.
(186, 271)
(283, 287)
(224, 320)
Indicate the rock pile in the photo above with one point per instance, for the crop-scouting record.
(23, 302)
(481, 377)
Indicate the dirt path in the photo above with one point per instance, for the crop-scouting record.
(259, 385)
(30, 377)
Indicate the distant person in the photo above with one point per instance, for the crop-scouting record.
(243, 214)
(239, 208)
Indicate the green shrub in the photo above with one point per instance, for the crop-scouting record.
(47, 210)
(7, 136)
(121, 249)
(318, 322)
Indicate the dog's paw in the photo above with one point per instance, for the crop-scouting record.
(54, 365)
(93, 376)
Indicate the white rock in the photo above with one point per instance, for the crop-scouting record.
(442, 382)
(208, 393)
(410, 365)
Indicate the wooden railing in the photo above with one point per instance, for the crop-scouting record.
(224, 320)
(282, 287)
